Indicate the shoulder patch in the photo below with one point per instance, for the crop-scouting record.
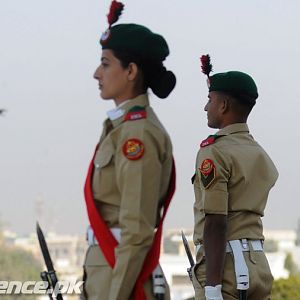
(133, 149)
(208, 172)
(136, 113)
(210, 140)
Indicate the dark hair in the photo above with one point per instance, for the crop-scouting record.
(242, 103)
(156, 76)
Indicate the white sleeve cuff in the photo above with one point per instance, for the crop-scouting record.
(213, 292)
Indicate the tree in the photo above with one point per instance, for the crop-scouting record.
(17, 265)
(286, 289)
(290, 265)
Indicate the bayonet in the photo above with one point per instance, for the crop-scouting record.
(187, 249)
(189, 255)
(49, 276)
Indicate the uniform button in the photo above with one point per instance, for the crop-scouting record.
(97, 166)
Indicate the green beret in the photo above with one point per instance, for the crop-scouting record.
(236, 83)
(135, 39)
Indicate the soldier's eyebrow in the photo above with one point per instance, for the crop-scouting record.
(104, 58)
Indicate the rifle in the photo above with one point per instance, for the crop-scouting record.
(188, 253)
(242, 294)
(50, 275)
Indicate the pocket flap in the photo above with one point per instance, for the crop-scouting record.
(103, 158)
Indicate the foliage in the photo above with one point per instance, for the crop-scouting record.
(18, 265)
(286, 289)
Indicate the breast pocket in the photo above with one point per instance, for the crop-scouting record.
(104, 173)
(102, 159)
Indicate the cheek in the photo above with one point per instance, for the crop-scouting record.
(212, 111)
(114, 78)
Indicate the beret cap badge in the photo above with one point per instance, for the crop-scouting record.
(105, 36)
(115, 12)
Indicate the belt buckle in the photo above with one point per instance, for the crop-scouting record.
(245, 244)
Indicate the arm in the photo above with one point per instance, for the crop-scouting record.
(214, 245)
(214, 174)
(139, 182)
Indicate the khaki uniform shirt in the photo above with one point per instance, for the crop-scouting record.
(243, 176)
(129, 193)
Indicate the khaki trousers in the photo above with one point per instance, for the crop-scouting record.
(260, 283)
(98, 276)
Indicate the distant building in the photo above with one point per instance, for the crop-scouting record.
(175, 269)
(68, 252)
(276, 261)
(175, 263)
(285, 239)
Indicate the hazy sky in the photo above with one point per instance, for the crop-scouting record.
(48, 53)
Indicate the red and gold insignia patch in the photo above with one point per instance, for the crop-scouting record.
(208, 172)
(133, 149)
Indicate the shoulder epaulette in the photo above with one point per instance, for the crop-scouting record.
(136, 113)
(210, 140)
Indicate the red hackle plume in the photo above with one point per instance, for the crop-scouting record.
(115, 12)
(206, 66)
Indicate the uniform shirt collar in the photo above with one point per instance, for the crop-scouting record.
(117, 115)
(141, 100)
(117, 112)
(233, 128)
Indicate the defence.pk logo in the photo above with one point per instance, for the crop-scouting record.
(39, 288)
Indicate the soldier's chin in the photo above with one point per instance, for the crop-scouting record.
(211, 125)
(104, 95)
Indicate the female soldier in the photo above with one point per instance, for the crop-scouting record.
(131, 179)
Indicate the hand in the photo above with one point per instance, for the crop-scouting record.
(193, 277)
(213, 292)
(189, 270)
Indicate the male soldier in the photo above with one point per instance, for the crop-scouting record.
(233, 178)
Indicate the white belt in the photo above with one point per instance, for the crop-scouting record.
(257, 245)
(159, 284)
(92, 240)
(237, 247)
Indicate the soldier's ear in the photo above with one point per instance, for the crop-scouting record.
(132, 71)
(225, 106)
